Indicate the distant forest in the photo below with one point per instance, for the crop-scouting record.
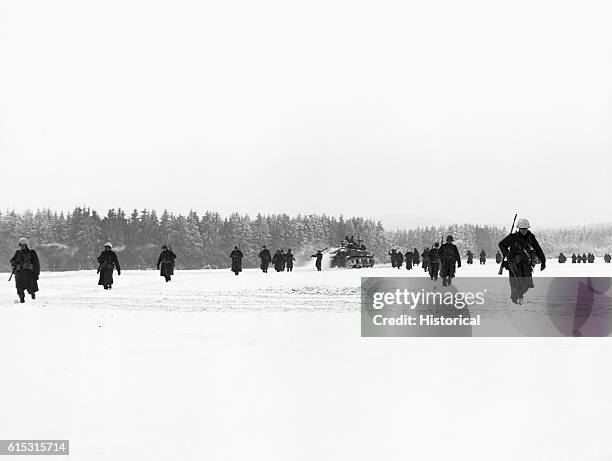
(72, 241)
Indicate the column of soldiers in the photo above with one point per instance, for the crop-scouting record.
(586, 258)
(519, 251)
(439, 260)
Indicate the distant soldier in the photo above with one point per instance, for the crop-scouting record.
(416, 257)
(591, 258)
(579, 259)
(425, 257)
(26, 269)
(573, 258)
(265, 258)
(498, 257)
(289, 258)
(434, 261)
(519, 249)
(470, 257)
(449, 256)
(282, 260)
(165, 263)
(277, 260)
(107, 263)
(584, 258)
(607, 258)
(483, 257)
(393, 256)
(562, 258)
(399, 259)
(319, 256)
(236, 257)
(408, 257)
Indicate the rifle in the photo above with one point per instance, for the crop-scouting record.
(501, 266)
(12, 272)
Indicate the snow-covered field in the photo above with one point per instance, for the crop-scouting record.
(272, 366)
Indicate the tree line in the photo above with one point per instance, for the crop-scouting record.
(72, 241)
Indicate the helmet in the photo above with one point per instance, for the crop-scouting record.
(23, 241)
(108, 244)
(449, 238)
(164, 247)
(523, 223)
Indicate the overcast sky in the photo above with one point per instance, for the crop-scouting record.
(416, 112)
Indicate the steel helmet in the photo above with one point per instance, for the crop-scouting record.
(523, 223)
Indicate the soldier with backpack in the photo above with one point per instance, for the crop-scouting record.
(165, 263)
(483, 257)
(449, 257)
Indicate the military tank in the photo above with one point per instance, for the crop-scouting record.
(351, 255)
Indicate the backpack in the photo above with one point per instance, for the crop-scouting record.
(447, 252)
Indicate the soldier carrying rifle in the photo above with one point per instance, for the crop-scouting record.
(520, 249)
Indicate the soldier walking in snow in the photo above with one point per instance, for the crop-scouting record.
(236, 257)
(416, 257)
(434, 262)
(393, 256)
(449, 256)
(607, 258)
(319, 256)
(289, 258)
(470, 257)
(562, 258)
(408, 257)
(165, 263)
(26, 269)
(265, 258)
(425, 257)
(276, 261)
(399, 259)
(483, 257)
(107, 263)
(584, 258)
(519, 249)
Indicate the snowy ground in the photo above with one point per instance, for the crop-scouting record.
(213, 366)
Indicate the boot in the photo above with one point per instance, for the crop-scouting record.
(22, 299)
(33, 295)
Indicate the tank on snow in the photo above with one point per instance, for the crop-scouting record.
(351, 254)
